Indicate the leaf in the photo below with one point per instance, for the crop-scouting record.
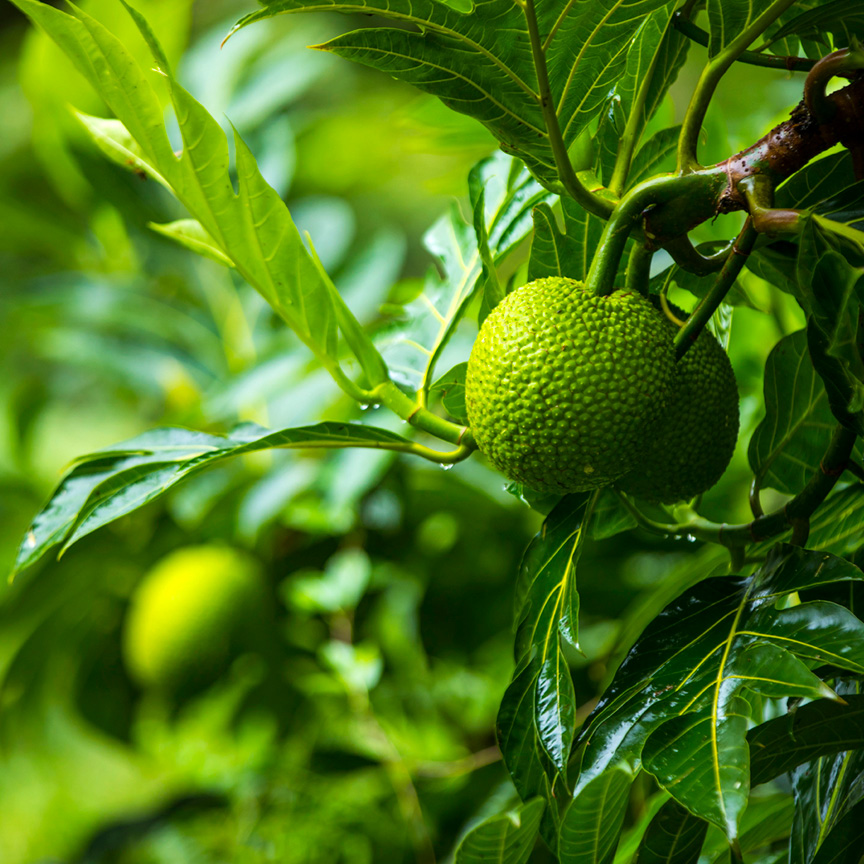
(655, 156)
(451, 386)
(536, 719)
(790, 441)
(728, 18)
(680, 692)
(818, 729)
(836, 525)
(570, 253)
(591, 826)
(506, 838)
(252, 226)
(843, 19)
(766, 823)
(462, 59)
(414, 344)
(114, 482)
(843, 844)
(191, 234)
(817, 181)
(674, 836)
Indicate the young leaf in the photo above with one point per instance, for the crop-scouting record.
(591, 826)
(687, 675)
(451, 386)
(507, 838)
(192, 235)
(674, 836)
(537, 715)
(252, 227)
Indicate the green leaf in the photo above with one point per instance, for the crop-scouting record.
(843, 19)
(451, 386)
(686, 677)
(414, 344)
(789, 442)
(843, 844)
(655, 156)
(506, 838)
(818, 729)
(727, 18)
(591, 826)
(674, 836)
(192, 235)
(817, 181)
(463, 59)
(570, 253)
(537, 716)
(252, 226)
(766, 823)
(825, 790)
(114, 482)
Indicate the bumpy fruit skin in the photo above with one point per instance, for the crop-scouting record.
(693, 443)
(564, 386)
(188, 613)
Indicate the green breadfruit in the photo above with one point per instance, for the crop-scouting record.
(693, 443)
(564, 386)
(189, 613)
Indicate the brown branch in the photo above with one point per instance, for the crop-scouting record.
(786, 149)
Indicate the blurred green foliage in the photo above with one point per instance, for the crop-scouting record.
(361, 729)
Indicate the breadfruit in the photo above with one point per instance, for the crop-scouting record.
(693, 443)
(188, 614)
(563, 386)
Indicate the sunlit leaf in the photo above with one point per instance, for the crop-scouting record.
(114, 482)
(727, 18)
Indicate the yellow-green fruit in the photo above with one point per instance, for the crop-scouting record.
(693, 443)
(564, 386)
(189, 612)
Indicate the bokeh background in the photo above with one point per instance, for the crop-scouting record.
(350, 716)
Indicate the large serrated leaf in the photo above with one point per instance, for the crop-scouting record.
(480, 62)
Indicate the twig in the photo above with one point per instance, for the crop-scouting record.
(701, 315)
(772, 61)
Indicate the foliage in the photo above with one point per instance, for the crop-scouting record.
(684, 681)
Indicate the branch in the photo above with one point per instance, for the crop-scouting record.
(710, 78)
(708, 305)
(785, 150)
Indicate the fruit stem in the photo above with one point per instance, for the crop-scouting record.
(639, 269)
(422, 418)
(707, 306)
(627, 215)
